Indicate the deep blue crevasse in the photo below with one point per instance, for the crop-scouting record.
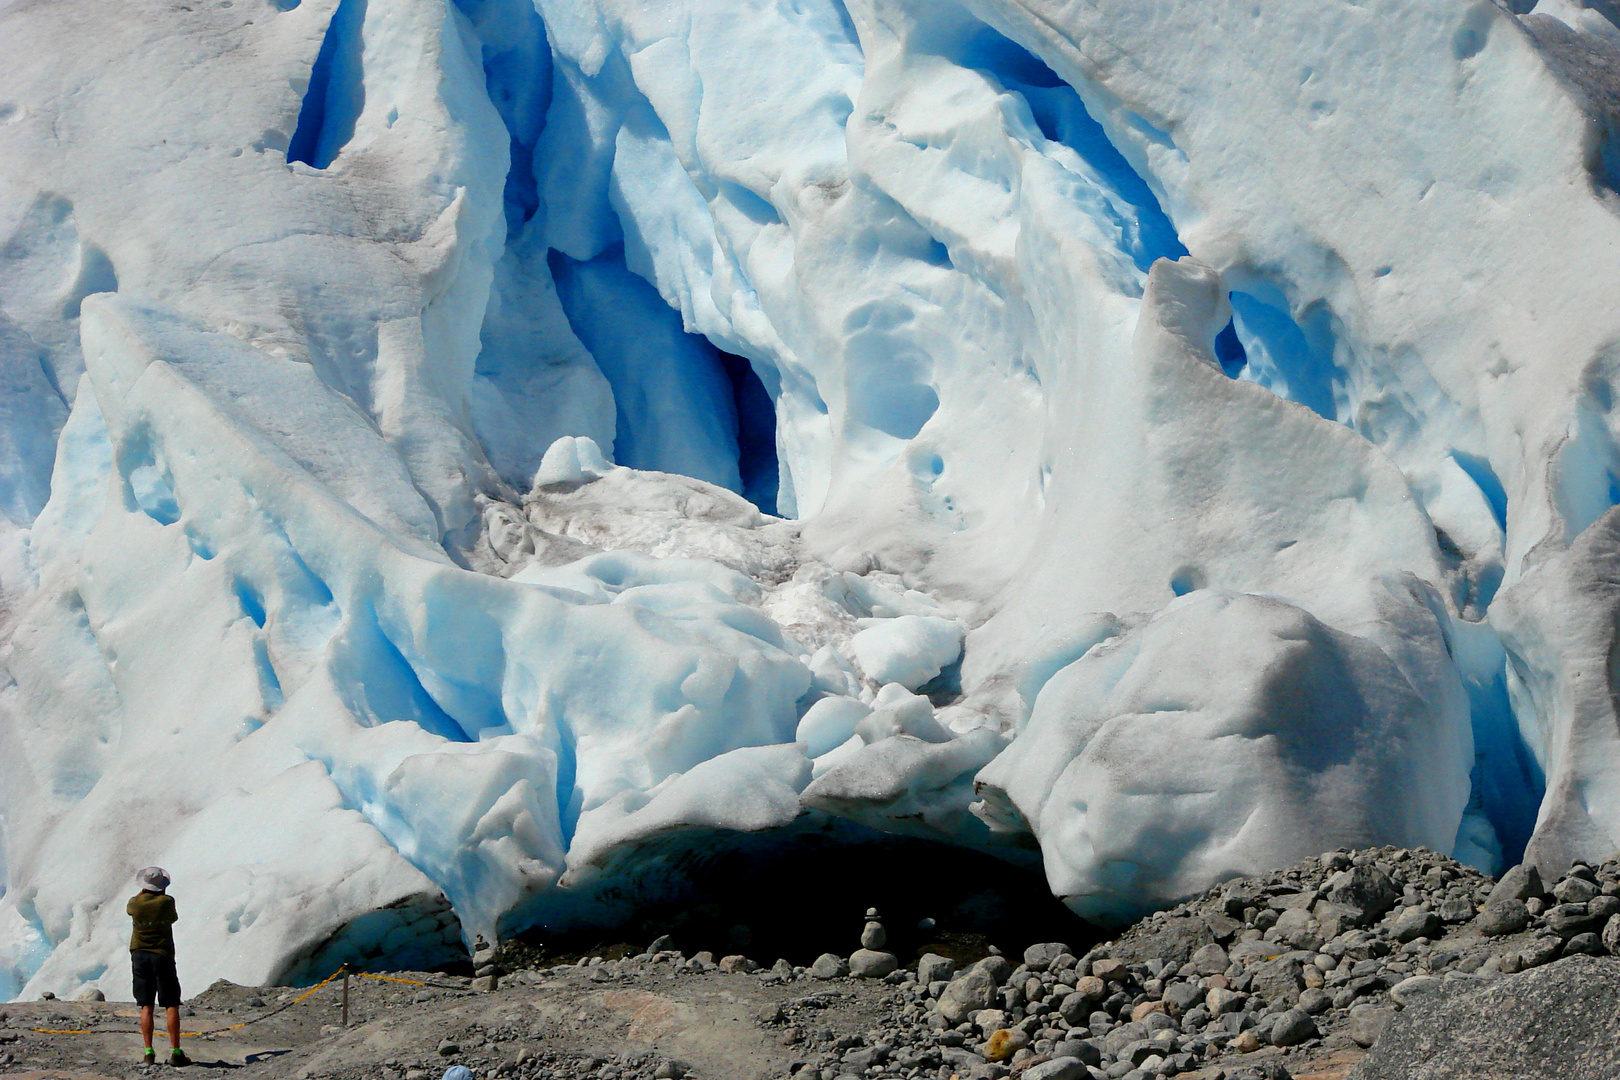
(336, 94)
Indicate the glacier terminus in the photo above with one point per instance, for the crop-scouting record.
(455, 452)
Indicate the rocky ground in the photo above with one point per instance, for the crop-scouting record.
(1296, 973)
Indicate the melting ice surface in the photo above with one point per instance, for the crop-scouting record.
(449, 449)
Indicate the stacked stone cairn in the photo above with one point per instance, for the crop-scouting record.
(870, 961)
(486, 972)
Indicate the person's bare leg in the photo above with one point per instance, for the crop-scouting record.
(174, 1027)
(146, 1025)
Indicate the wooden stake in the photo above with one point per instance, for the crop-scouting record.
(345, 999)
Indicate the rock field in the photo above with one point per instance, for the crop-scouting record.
(1370, 965)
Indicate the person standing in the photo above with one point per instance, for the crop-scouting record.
(151, 959)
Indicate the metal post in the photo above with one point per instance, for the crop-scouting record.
(345, 999)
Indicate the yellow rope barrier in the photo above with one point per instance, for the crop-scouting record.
(215, 1031)
(344, 970)
(390, 978)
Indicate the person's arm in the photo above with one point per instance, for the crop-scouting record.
(169, 914)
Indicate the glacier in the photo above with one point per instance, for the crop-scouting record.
(453, 450)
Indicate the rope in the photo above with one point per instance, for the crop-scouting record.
(343, 970)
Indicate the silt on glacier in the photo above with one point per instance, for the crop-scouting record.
(451, 448)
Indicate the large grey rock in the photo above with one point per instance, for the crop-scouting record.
(1568, 920)
(1063, 1068)
(1299, 929)
(1367, 1023)
(1315, 1001)
(1559, 1022)
(969, 992)
(1503, 917)
(1414, 923)
(828, 966)
(1075, 1008)
(1543, 950)
(1365, 892)
(1410, 989)
(998, 968)
(1039, 957)
(1088, 1053)
(1279, 980)
(1456, 911)
(871, 964)
(1181, 996)
(1210, 960)
(1174, 939)
(1292, 1028)
(1124, 1035)
(1520, 883)
(934, 968)
(1611, 934)
(1574, 890)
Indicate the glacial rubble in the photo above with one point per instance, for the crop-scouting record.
(1354, 964)
(1318, 957)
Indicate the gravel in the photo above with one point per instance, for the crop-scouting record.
(1320, 958)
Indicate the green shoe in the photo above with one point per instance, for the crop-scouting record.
(178, 1058)
(149, 1057)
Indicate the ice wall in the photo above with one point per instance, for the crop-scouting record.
(1191, 425)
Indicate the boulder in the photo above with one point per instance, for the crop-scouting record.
(1568, 920)
(828, 966)
(1556, 1022)
(1210, 960)
(1364, 892)
(935, 968)
(1503, 917)
(969, 992)
(1413, 923)
(1367, 1023)
(871, 964)
(1292, 1028)
(1088, 1053)
(1408, 990)
(1279, 980)
(1520, 883)
(998, 968)
(1611, 934)
(1574, 890)
(1061, 1068)
(1039, 957)
(1181, 996)
(1110, 970)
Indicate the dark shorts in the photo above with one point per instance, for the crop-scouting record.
(155, 979)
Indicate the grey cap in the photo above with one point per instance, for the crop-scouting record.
(154, 878)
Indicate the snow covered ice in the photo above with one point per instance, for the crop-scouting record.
(449, 448)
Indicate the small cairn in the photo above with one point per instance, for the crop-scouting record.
(870, 961)
(486, 973)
